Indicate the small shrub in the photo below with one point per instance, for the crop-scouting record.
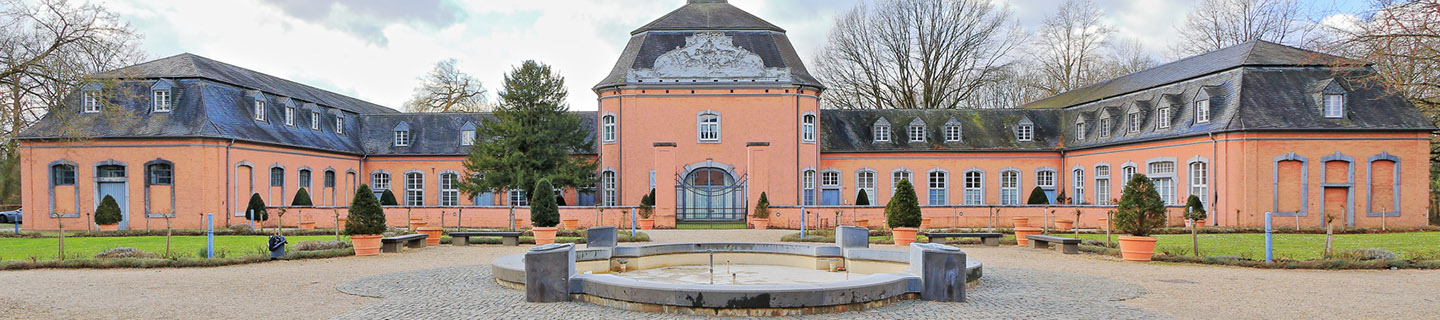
(1037, 197)
(302, 198)
(543, 211)
(366, 216)
(1141, 210)
(762, 207)
(125, 252)
(1194, 208)
(255, 211)
(861, 199)
(321, 245)
(1367, 254)
(904, 208)
(647, 205)
(108, 212)
(387, 198)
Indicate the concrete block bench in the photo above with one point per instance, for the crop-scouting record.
(987, 238)
(392, 244)
(1067, 245)
(509, 238)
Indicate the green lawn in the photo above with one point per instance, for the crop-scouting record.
(86, 247)
(1297, 246)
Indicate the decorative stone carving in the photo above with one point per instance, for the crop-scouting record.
(708, 57)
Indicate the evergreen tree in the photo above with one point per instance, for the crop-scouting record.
(1037, 196)
(1140, 210)
(904, 208)
(543, 212)
(532, 136)
(647, 204)
(365, 214)
(255, 211)
(1194, 208)
(560, 200)
(762, 207)
(387, 198)
(302, 199)
(862, 199)
(108, 212)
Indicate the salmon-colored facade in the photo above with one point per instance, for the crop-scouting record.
(711, 107)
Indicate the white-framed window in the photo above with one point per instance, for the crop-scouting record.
(414, 189)
(467, 137)
(897, 175)
(865, 180)
(807, 186)
(1126, 173)
(1105, 128)
(1079, 131)
(1025, 132)
(1079, 196)
(917, 133)
(1162, 117)
(607, 123)
(709, 127)
(160, 100)
(314, 120)
(939, 188)
(1200, 180)
(381, 181)
(830, 179)
(607, 182)
(1135, 121)
(449, 189)
(259, 110)
(807, 128)
(1334, 105)
(304, 177)
(91, 101)
(1045, 179)
(1102, 185)
(1010, 187)
(974, 188)
(329, 179)
(289, 116)
(953, 133)
(1202, 111)
(882, 133)
(339, 124)
(518, 198)
(1163, 175)
(402, 138)
(277, 177)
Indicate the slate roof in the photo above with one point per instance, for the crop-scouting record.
(982, 129)
(708, 15)
(186, 65)
(432, 134)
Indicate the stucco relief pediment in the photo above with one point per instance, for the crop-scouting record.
(708, 57)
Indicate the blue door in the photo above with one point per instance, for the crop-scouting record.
(830, 197)
(116, 190)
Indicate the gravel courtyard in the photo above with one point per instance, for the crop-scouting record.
(453, 282)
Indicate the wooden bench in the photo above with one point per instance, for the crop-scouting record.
(987, 238)
(392, 244)
(509, 238)
(1067, 245)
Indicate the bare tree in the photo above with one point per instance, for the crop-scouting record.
(447, 89)
(1401, 40)
(1127, 56)
(1217, 24)
(1070, 48)
(909, 54)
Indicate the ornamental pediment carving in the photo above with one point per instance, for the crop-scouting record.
(708, 57)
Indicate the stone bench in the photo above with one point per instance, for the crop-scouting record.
(509, 238)
(987, 238)
(1067, 245)
(392, 244)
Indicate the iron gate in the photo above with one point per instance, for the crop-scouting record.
(710, 194)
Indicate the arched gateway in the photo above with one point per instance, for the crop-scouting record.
(710, 194)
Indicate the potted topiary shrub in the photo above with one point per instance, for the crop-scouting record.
(544, 215)
(1139, 213)
(107, 214)
(761, 217)
(1195, 211)
(365, 223)
(302, 199)
(903, 213)
(255, 211)
(647, 208)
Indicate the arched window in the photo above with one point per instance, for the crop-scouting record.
(974, 187)
(1163, 174)
(807, 128)
(708, 127)
(1200, 180)
(865, 180)
(807, 186)
(900, 174)
(277, 177)
(1079, 196)
(449, 189)
(381, 182)
(607, 183)
(414, 189)
(329, 178)
(607, 123)
(304, 177)
(1010, 187)
(1102, 185)
(939, 187)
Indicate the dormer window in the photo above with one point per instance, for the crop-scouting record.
(1334, 105)
(1025, 131)
(1079, 130)
(917, 131)
(1162, 116)
(467, 137)
(314, 120)
(160, 100)
(953, 133)
(92, 102)
(290, 116)
(402, 138)
(881, 130)
(1135, 121)
(1202, 110)
(259, 110)
(339, 124)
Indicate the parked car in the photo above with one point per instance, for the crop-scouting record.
(11, 216)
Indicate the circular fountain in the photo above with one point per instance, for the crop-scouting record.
(739, 279)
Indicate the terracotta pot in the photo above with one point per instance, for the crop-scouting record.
(109, 227)
(340, 223)
(544, 235)
(760, 223)
(307, 225)
(862, 223)
(570, 224)
(1064, 225)
(647, 224)
(1200, 223)
(432, 235)
(1021, 221)
(1021, 232)
(903, 236)
(925, 223)
(1138, 249)
(366, 244)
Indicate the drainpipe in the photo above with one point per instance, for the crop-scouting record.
(229, 174)
(1214, 192)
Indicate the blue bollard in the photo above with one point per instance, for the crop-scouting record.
(802, 221)
(632, 222)
(209, 235)
(1269, 239)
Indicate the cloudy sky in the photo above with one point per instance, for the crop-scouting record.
(376, 49)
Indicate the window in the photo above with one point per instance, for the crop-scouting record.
(1334, 105)
(807, 186)
(607, 122)
(953, 134)
(607, 181)
(91, 103)
(1163, 115)
(917, 133)
(467, 137)
(160, 100)
(110, 171)
(1202, 111)
(259, 110)
(414, 189)
(402, 138)
(807, 128)
(304, 178)
(329, 179)
(518, 198)
(1079, 131)
(339, 124)
(882, 133)
(277, 177)
(1025, 132)
(974, 188)
(290, 116)
(449, 190)
(1009, 187)
(830, 179)
(898, 175)
(381, 181)
(1163, 175)
(939, 188)
(1045, 179)
(1127, 172)
(865, 180)
(1200, 180)
(1105, 128)
(63, 174)
(709, 127)
(1102, 185)
(1079, 196)
(314, 120)
(1135, 121)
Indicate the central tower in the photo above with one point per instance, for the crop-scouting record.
(710, 106)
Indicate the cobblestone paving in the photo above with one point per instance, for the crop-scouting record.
(469, 292)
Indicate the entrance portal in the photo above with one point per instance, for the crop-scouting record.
(710, 194)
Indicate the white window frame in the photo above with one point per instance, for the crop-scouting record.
(1080, 130)
(707, 127)
(467, 137)
(917, 133)
(1127, 172)
(953, 133)
(402, 138)
(937, 191)
(1045, 179)
(899, 174)
(518, 198)
(1010, 187)
(807, 187)
(449, 189)
(1334, 105)
(882, 133)
(290, 116)
(1105, 127)
(1202, 111)
(340, 124)
(973, 186)
(259, 110)
(1200, 180)
(380, 180)
(807, 127)
(607, 183)
(1163, 116)
(314, 120)
(160, 101)
(1025, 132)
(1162, 173)
(414, 189)
(1079, 186)
(1102, 184)
(607, 123)
(1134, 121)
(865, 180)
(90, 101)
